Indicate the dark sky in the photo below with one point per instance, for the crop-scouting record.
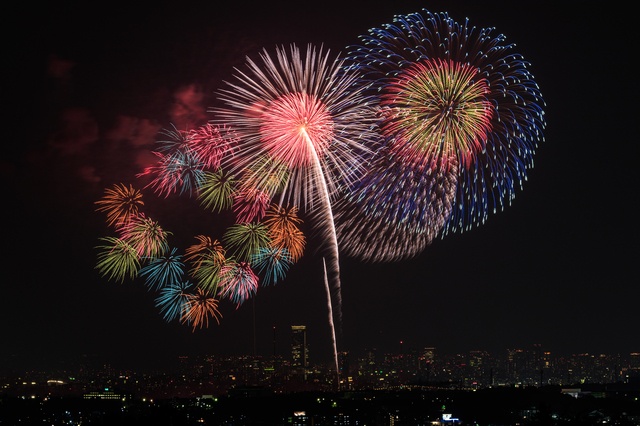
(89, 86)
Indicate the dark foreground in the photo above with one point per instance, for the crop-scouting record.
(255, 406)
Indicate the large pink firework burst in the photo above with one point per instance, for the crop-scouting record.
(303, 112)
(297, 128)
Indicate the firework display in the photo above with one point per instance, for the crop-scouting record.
(425, 128)
(461, 117)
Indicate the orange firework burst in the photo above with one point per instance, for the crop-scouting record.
(284, 230)
(120, 203)
(199, 308)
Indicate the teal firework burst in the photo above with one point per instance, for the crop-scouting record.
(163, 270)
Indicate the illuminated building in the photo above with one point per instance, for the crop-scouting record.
(299, 350)
(105, 394)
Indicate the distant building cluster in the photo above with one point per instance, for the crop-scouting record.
(424, 368)
(368, 388)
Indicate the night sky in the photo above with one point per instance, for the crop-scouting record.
(89, 86)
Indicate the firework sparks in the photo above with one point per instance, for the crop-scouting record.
(117, 259)
(244, 240)
(273, 263)
(303, 112)
(172, 300)
(207, 259)
(164, 270)
(284, 230)
(120, 203)
(461, 117)
(198, 308)
(146, 236)
(250, 204)
(425, 128)
(238, 282)
(216, 190)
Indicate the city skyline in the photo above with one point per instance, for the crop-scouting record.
(526, 385)
(556, 267)
(423, 369)
(294, 347)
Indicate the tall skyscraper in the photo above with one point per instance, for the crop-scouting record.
(299, 350)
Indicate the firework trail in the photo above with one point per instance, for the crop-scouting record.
(302, 127)
(461, 118)
(330, 318)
